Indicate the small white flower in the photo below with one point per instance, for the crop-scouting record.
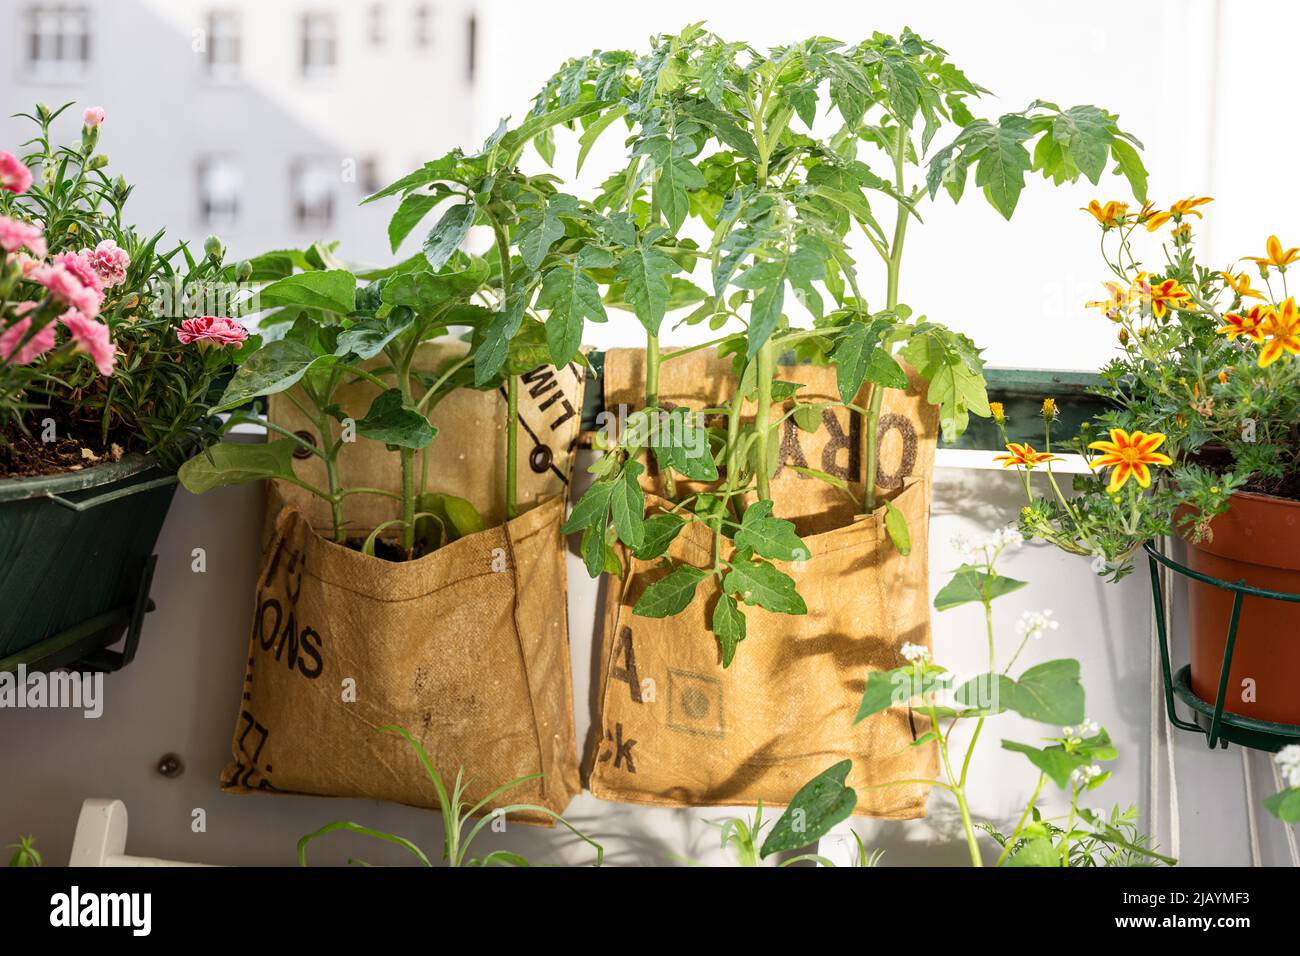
(1083, 775)
(1035, 623)
(915, 652)
(1288, 762)
(982, 550)
(1086, 729)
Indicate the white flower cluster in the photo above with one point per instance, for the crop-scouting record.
(1288, 762)
(981, 550)
(915, 652)
(1083, 775)
(1086, 729)
(1035, 623)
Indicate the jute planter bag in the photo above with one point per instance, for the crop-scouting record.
(467, 647)
(675, 728)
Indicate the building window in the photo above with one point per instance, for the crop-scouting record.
(58, 41)
(377, 28)
(312, 188)
(471, 49)
(424, 25)
(220, 183)
(319, 45)
(224, 51)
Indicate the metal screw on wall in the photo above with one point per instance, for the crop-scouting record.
(171, 766)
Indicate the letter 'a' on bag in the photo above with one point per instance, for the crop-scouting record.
(467, 647)
(674, 728)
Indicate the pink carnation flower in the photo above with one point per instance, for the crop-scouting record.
(92, 338)
(15, 234)
(14, 176)
(211, 329)
(109, 261)
(14, 349)
(73, 280)
(93, 116)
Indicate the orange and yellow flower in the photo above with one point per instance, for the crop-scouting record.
(1184, 207)
(1249, 326)
(1161, 297)
(1110, 215)
(1115, 304)
(1024, 456)
(1240, 285)
(1129, 456)
(1274, 255)
(1282, 327)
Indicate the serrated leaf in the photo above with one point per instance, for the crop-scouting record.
(412, 209)
(760, 583)
(822, 803)
(445, 237)
(677, 177)
(366, 339)
(542, 228)
(1037, 851)
(852, 354)
(1086, 132)
(627, 506)
(592, 508)
(672, 594)
(1128, 163)
(771, 537)
(491, 352)
(572, 297)
(728, 627)
(592, 132)
(660, 531)
(645, 271)
(1003, 161)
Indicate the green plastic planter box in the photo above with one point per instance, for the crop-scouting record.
(75, 549)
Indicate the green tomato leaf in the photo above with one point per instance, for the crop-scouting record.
(760, 583)
(445, 238)
(572, 297)
(627, 504)
(896, 526)
(672, 594)
(771, 537)
(592, 508)
(728, 627)
(645, 271)
(394, 423)
(660, 531)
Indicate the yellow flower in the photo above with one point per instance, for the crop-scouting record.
(1115, 304)
(999, 415)
(1024, 455)
(1182, 231)
(1223, 375)
(1184, 207)
(1274, 255)
(1249, 325)
(1123, 336)
(1049, 409)
(1283, 329)
(1110, 215)
(1240, 285)
(1168, 293)
(1129, 456)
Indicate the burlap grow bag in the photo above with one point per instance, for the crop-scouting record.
(675, 728)
(467, 647)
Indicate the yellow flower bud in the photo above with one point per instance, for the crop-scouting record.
(999, 415)
(1049, 409)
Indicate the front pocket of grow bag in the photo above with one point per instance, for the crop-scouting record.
(676, 729)
(467, 648)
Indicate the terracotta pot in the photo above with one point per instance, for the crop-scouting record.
(1256, 541)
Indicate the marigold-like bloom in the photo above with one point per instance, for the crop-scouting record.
(1274, 255)
(1024, 456)
(1282, 326)
(1248, 326)
(1110, 215)
(1049, 409)
(999, 414)
(1168, 294)
(1184, 207)
(1115, 304)
(1129, 456)
(1240, 285)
